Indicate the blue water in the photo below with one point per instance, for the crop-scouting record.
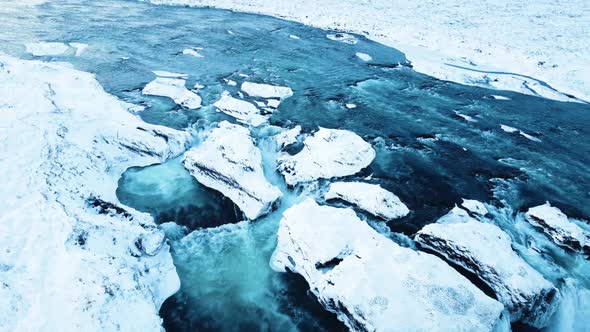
(426, 153)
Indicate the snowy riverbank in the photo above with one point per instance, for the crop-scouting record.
(545, 43)
(72, 256)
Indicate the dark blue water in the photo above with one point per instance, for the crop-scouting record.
(426, 153)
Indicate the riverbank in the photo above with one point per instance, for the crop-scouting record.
(548, 41)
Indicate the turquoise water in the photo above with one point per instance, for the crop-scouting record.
(427, 153)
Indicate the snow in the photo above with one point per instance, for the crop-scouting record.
(242, 110)
(559, 227)
(486, 251)
(266, 90)
(372, 283)
(80, 47)
(546, 40)
(69, 249)
(475, 206)
(229, 162)
(192, 52)
(343, 37)
(369, 197)
(287, 136)
(326, 154)
(46, 48)
(172, 85)
(364, 56)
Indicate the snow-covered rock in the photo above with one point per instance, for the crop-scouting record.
(372, 283)
(369, 197)
(266, 90)
(69, 253)
(242, 110)
(327, 153)
(475, 206)
(486, 251)
(287, 137)
(172, 85)
(229, 161)
(559, 228)
(343, 37)
(46, 48)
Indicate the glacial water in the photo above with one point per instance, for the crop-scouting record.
(436, 142)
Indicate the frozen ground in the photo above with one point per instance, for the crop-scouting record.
(545, 40)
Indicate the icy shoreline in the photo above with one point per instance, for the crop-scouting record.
(464, 41)
(72, 255)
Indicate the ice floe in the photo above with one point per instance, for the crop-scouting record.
(193, 52)
(172, 85)
(80, 47)
(364, 56)
(372, 283)
(343, 37)
(266, 90)
(486, 251)
(72, 255)
(559, 228)
(498, 97)
(369, 197)
(47, 48)
(229, 162)
(465, 117)
(326, 154)
(242, 110)
(508, 129)
(511, 130)
(350, 106)
(274, 103)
